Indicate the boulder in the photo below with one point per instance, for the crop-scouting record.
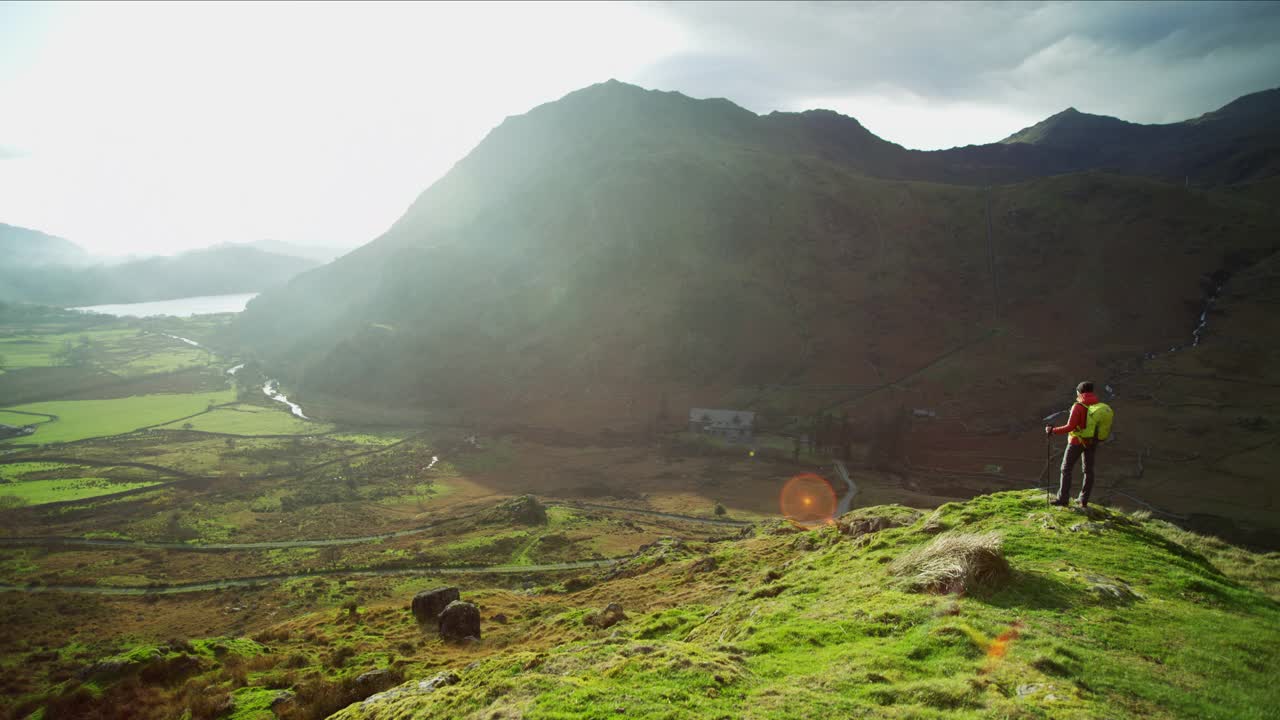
(460, 620)
(376, 680)
(428, 604)
(423, 687)
(610, 616)
(523, 510)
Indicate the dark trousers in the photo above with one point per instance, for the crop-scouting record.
(1069, 459)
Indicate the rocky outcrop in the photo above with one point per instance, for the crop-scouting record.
(523, 510)
(428, 604)
(610, 616)
(459, 621)
(422, 687)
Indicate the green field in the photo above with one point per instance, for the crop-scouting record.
(42, 350)
(15, 472)
(124, 351)
(80, 419)
(19, 419)
(252, 420)
(39, 492)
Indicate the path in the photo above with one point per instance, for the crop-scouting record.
(847, 500)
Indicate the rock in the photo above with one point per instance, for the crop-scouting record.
(1024, 690)
(443, 679)
(1111, 590)
(423, 687)
(460, 620)
(1091, 527)
(523, 510)
(106, 670)
(428, 604)
(607, 618)
(377, 680)
(703, 565)
(501, 619)
(284, 697)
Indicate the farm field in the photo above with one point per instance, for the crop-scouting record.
(245, 419)
(19, 419)
(81, 419)
(40, 492)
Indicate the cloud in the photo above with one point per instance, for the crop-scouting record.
(1145, 62)
(10, 153)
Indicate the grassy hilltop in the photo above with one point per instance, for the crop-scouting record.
(1100, 616)
(994, 607)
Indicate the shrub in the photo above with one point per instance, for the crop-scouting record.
(954, 563)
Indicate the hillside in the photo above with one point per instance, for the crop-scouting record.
(25, 248)
(995, 607)
(214, 271)
(613, 258)
(1237, 143)
(850, 621)
(620, 239)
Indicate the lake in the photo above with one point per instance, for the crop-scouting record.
(178, 307)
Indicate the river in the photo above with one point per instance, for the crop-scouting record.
(177, 307)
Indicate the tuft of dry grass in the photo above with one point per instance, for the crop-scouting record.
(954, 563)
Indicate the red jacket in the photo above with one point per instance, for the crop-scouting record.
(1079, 417)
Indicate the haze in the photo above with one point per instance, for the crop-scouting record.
(153, 128)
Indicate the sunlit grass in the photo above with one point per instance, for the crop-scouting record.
(80, 419)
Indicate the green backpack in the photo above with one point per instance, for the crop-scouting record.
(1097, 424)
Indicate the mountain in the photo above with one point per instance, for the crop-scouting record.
(215, 271)
(621, 253)
(1237, 143)
(22, 247)
(318, 253)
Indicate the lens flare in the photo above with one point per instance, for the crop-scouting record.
(808, 500)
(997, 648)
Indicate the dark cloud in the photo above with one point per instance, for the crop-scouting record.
(1146, 62)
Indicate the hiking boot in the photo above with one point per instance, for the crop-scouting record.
(1059, 503)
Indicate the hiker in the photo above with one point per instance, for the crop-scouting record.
(1088, 425)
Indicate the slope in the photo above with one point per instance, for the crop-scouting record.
(25, 248)
(789, 624)
(214, 271)
(618, 242)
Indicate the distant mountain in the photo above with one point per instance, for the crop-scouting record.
(215, 271)
(622, 238)
(23, 247)
(318, 253)
(1238, 143)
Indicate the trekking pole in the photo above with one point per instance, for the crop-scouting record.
(1048, 460)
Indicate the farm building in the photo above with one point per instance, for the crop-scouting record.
(732, 425)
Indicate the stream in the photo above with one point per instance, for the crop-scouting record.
(272, 390)
(1197, 334)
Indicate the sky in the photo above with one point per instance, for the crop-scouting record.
(151, 128)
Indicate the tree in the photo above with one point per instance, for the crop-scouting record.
(720, 509)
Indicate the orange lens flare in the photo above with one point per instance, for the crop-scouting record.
(998, 647)
(808, 500)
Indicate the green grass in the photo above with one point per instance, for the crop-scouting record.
(367, 438)
(242, 419)
(80, 419)
(20, 419)
(831, 633)
(15, 472)
(39, 492)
